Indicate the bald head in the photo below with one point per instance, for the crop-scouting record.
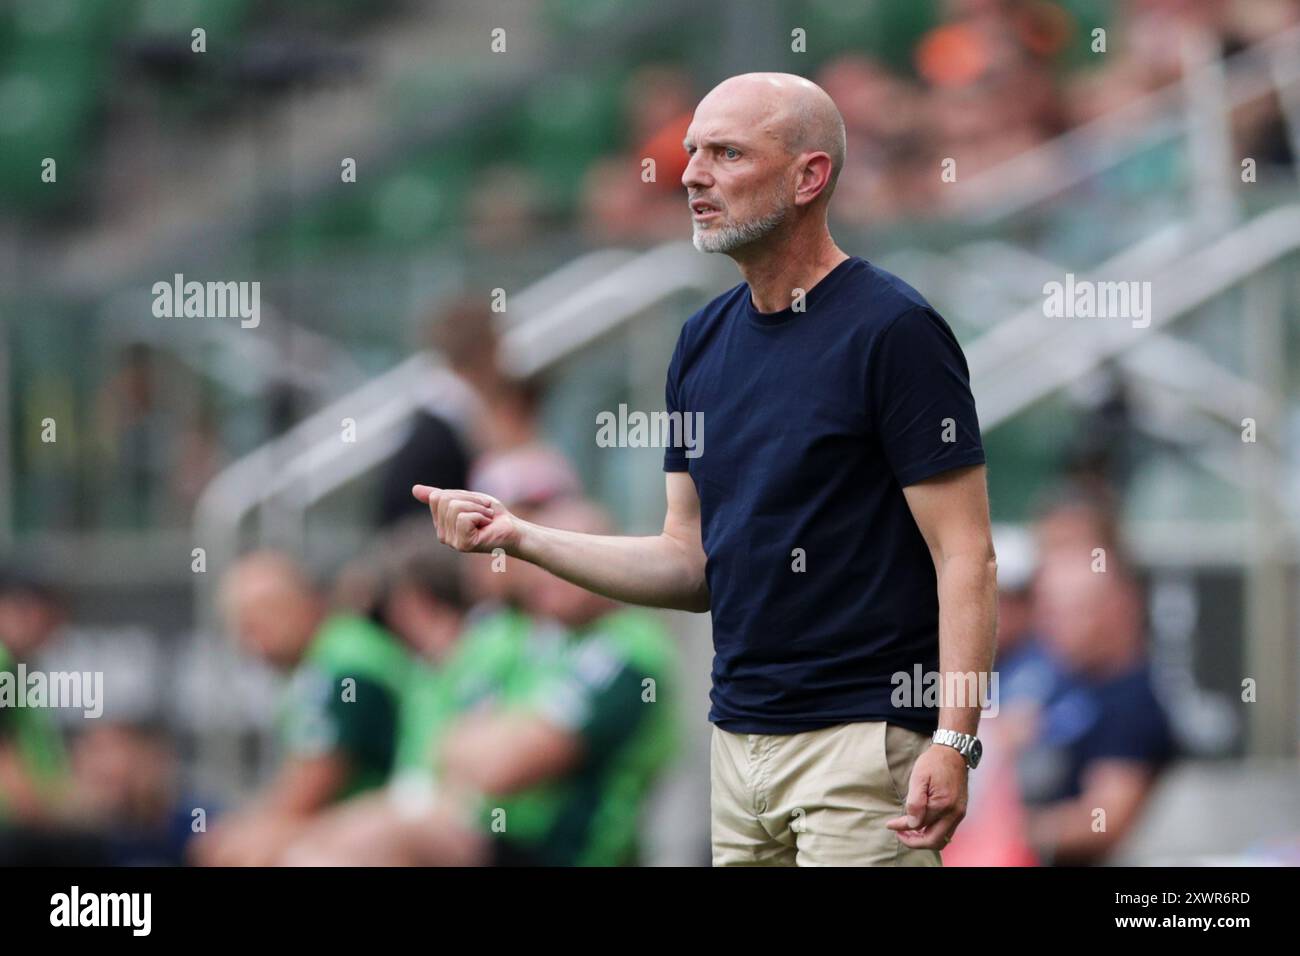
(789, 109)
(1092, 619)
(765, 152)
(272, 605)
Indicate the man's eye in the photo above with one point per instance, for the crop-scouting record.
(730, 153)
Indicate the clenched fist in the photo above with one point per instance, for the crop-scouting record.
(467, 520)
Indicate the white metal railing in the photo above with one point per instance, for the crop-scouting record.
(558, 319)
(596, 308)
(1029, 356)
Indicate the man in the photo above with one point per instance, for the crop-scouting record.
(836, 526)
(339, 716)
(423, 598)
(33, 765)
(126, 776)
(559, 728)
(1100, 736)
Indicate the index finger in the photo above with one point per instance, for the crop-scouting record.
(476, 496)
(423, 493)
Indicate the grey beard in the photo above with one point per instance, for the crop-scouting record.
(728, 238)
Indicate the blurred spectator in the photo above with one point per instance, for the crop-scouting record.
(529, 476)
(553, 748)
(993, 832)
(338, 719)
(1076, 519)
(886, 142)
(618, 203)
(126, 783)
(421, 595)
(511, 459)
(134, 429)
(33, 778)
(1025, 670)
(508, 447)
(505, 207)
(1101, 736)
(434, 452)
(198, 456)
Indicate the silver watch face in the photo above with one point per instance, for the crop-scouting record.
(966, 745)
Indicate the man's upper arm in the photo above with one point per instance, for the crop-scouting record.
(682, 526)
(682, 521)
(919, 398)
(952, 512)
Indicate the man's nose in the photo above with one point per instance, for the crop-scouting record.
(696, 172)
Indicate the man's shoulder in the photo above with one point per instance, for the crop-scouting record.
(888, 295)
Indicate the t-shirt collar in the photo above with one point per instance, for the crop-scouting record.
(811, 297)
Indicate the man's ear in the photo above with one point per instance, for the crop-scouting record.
(814, 177)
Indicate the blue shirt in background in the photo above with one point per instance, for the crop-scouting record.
(1085, 720)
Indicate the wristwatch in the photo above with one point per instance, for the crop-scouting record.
(968, 745)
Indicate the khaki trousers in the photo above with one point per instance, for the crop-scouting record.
(819, 798)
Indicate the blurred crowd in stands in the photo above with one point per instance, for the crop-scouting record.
(474, 710)
(1079, 736)
(994, 80)
(436, 708)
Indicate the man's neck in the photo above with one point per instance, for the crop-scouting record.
(789, 263)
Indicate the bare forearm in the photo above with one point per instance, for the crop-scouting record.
(304, 786)
(656, 570)
(1086, 828)
(967, 637)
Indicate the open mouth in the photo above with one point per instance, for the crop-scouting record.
(702, 209)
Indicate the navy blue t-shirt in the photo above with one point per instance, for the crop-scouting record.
(1087, 720)
(821, 585)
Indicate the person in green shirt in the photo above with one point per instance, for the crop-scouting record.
(33, 763)
(337, 720)
(561, 766)
(420, 589)
(560, 726)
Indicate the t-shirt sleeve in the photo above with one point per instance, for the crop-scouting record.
(1132, 727)
(361, 725)
(920, 397)
(674, 452)
(595, 693)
